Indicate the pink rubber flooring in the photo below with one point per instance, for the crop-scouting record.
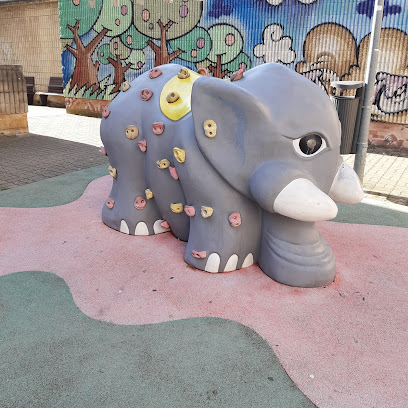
(344, 345)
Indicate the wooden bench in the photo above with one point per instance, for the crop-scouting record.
(55, 88)
(30, 89)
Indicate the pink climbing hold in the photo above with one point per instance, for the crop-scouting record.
(103, 150)
(235, 219)
(173, 173)
(142, 144)
(110, 203)
(158, 128)
(199, 254)
(190, 210)
(105, 112)
(236, 76)
(140, 203)
(154, 73)
(203, 71)
(146, 94)
(165, 224)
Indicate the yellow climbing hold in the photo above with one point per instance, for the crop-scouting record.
(132, 132)
(179, 154)
(177, 208)
(113, 172)
(183, 73)
(163, 164)
(149, 194)
(125, 86)
(210, 128)
(173, 97)
(206, 211)
(175, 110)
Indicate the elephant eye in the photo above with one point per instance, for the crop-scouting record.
(309, 145)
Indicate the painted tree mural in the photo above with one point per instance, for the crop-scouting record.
(76, 19)
(226, 54)
(166, 22)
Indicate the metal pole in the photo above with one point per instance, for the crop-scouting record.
(370, 74)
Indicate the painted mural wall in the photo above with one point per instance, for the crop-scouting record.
(106, 42)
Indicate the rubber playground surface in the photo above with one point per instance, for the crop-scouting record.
(90, 317)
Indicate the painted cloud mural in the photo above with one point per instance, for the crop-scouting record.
(275, 47)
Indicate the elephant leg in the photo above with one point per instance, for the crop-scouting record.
(294, 253)
(224, 225)
(130, 207)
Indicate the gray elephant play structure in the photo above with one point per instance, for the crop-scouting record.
(241, 169)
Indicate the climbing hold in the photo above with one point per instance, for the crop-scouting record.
(110, 203)
(140, 203)
(203, 71)
(236, 76)
(173, 173)
(146, 94)
(103, 150)
(210, 128)
(125, 86)
(173, 97)
(158, 128)
(177, 208)
(206, 211)
(183, 73)
(154, 73)
(189, 210)
(235, 219)
(113, 172)
(165, 224)
(199, 255)
(132, 132)
(142, 145)
(163, 164)
(105, 112)
(179, 154)
(149, 194)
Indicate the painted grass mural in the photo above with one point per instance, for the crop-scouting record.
(106, 42)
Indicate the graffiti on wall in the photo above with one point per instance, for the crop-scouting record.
(106, 42)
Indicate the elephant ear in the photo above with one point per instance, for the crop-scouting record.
(227, 120)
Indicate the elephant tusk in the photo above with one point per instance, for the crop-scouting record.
(346, 187)
(303, 201)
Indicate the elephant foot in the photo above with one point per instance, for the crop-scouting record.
(133, 221)
(212, 261)
(141, 228)
(302, 265)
